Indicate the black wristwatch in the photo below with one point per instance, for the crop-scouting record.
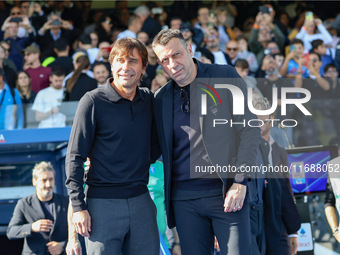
(177, 243)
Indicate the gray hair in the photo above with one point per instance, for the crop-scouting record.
(260, 102)
(164, 36)
(42, 167)
(142, 10)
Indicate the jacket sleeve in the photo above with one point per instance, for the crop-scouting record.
(330, 198)
(18, 227)
(155, 147)
(279, 37)
(254, 45)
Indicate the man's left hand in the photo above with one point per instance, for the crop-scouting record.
(54, 248)
(235, 197)
(293, 245)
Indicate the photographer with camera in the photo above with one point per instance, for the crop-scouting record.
(264, 31)
(51, 31)
(9, 32)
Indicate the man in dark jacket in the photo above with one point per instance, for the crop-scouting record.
(41, 218)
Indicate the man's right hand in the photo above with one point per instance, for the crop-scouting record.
(73, 247)
(82, 222)
(42, 226)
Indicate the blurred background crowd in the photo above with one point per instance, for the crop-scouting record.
(53, 52)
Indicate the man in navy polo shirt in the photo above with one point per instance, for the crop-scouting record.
(113, 126)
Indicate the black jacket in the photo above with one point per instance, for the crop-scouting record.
(83, 85)
(207, 53)
(235, 146)
(27, 211)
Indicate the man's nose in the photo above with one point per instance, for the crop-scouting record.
(172, 63)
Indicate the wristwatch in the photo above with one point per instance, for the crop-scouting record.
(177, 243)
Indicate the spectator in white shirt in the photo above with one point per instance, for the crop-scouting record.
(134, 26)
(307, 33)
(47, 102)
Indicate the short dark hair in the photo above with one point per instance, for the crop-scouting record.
(131, 19)
(98, 64)
(60, 44)
(175, 18)
(296, 41)
(164, 36)
(57, 71)
(85, 39)
(241, 37)
(331, 65)
(316, 43)
(313, 52)
(125, 46)
(242, 63)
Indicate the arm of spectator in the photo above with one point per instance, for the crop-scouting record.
(315, 71)
(20, 112)
(279, 37)
(331, 213)
(39, 116)
(73, 245)
(298, 79)
(45, 27)
(5, 25)
(177, 247)
(284, 68)
(254, 45)
(326, 36)
(301, 34)
(26, 24)
(66, 25)
(232, 9)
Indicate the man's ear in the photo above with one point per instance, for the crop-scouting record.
(34, 182)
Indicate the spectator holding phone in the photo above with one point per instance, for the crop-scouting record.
(295, 60)
(103, 56)
(9, 32)
(262, 32)
(51, 31)
(318, 86)
(308, 34)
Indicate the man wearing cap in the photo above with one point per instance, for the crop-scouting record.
(39, 74)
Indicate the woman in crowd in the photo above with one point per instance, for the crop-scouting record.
(23, 85)
(79, 83)
(103, 28)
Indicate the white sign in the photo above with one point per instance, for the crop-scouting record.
(305, 239)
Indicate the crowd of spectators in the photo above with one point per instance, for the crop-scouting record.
(276, 40)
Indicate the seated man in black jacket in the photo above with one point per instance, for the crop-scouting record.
(41, 218)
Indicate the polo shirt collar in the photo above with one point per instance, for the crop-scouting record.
(113, 95)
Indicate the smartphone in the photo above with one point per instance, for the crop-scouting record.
(292, 47)
(309, 16)
(108, 49)
(212, 14)
(198, 55)
(56, 22)
(263, 9)
(15, 19)
(267, 52)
